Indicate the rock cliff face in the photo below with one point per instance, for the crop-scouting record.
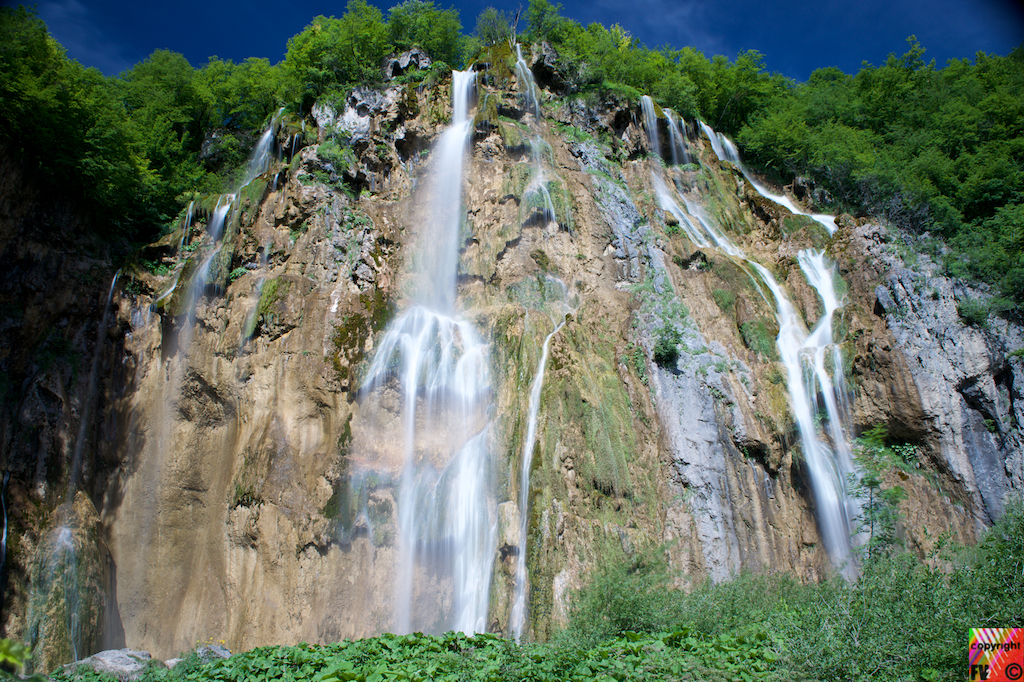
(247, 487)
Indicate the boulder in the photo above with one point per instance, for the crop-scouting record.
(122, 664)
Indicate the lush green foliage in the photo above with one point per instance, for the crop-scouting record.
(666, 348)
(900, 620)
(125, 149)
(493, 26)
(416, 23)
(337, 53)
(879, 504)
(925, 148)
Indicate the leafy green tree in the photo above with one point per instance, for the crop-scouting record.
(164, 118)
(333, 54)
(417, 23)
(493, 26)
(880, 513)
(544, 21)
(67, 128)
(238, 96)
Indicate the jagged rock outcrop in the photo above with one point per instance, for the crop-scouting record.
(966, 380)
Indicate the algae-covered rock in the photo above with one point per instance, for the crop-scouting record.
(70, 579)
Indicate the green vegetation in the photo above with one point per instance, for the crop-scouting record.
(933, 150)
(666, 348)
(900, 619)
(724, 299)
(879, 505)
(759, 336)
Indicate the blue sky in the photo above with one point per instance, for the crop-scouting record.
(796, 36)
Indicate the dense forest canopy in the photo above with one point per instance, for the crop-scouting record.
(938, 151)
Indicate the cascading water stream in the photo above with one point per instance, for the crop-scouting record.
(201, 276)
(726, 150)
(263, 153)
(677, 139)
(441, 366)
(536, 195)
(830, 462)
(527, 84)
(518, 618)
(803, 355)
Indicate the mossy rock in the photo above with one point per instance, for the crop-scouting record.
(513, 136)
(806, 229)
(69, 578)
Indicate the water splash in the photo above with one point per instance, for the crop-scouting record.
(264, 153)
(527, 84)
(536, 195)
(677, 138)
(440, 263)
(829, 462)
(651, 124)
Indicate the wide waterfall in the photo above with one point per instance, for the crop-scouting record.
(445, 501)
(812, 360)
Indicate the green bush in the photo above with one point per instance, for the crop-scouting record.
(973, 312)
(759, 338)
(625, 594)
(666, 348)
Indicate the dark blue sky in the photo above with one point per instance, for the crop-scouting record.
(796, 36)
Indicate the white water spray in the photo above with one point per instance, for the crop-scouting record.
(809, 377)
(527, 84)
(445, 496)
(725, 149)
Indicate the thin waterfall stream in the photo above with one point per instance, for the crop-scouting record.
(518, 619)
(805, 355)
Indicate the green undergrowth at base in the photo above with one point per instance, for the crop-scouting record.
(900, 620)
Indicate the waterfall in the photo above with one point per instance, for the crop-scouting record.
(262, 154)
(803, 355)
(536, 195)
(518, 619)
(808, 375)
(726, 150)
(651, 124)
(201, 276)
(445, 499)
(677, 138)
(527, 84)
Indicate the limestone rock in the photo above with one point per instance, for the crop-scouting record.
(70, 582)
(397, 66)
(122, 664)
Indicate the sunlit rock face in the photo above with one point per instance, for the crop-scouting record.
(253, 479)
